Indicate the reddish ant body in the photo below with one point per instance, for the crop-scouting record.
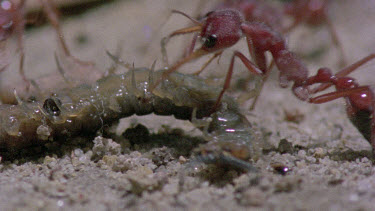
(256, 11)
(260, 24)
(223, 28)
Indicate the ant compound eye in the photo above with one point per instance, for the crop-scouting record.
(51, 107)
(210, 41)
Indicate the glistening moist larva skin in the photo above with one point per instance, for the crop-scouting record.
(87, 108)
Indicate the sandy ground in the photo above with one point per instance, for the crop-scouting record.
(330, 162)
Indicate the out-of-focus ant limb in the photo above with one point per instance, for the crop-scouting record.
(217, 54)
(12, 22)
(314, 13)
(53, 16)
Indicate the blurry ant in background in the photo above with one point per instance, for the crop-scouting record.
(312, 13)
(12, 23)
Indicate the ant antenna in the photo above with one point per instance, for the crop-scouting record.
(188, 16)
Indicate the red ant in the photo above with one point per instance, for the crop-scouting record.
(223, 28)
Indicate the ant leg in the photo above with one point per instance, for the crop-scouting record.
(259, 89)
(182, 31)
(260, 60)
(336, 95)
(61, 70)
(208, 62)
(249, 65)
(22, 70)
(196, 54)
(53, 17)
(20, 28)
(344, 72)
(186, 30)
(336, 42)
(368, 133)
(190, 49)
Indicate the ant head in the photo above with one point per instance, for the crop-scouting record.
(221, 29)
(7, 9)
